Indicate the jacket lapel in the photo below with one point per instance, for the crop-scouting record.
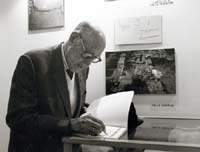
(61, 83)
(81, 79)
(59, 77)
(79, 92)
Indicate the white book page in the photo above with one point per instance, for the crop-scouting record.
(113, 132)
(112, 109)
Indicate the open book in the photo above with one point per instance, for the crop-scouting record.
(113, 110)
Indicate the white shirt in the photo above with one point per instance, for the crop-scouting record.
(71, 84)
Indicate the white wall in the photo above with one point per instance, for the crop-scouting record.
(181, 31)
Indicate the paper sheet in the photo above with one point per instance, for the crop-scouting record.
(141, 30)
(113, 132)
(113, 109)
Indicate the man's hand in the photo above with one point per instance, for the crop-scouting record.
(84, 108)
(87, 125)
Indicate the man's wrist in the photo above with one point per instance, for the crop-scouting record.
(70, 126)
(64, 126)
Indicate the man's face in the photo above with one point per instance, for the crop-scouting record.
(83, 55)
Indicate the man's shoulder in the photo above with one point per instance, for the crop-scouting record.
(40, 52)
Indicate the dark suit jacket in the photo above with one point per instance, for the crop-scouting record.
(39, 99)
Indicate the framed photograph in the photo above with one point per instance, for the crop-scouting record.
(46, 14)
(138, 30)
(144, 71)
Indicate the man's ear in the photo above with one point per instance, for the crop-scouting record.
(74, 36)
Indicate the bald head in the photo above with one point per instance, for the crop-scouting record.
(86, 39)
(93, 37)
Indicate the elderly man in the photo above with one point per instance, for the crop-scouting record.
(48, 93)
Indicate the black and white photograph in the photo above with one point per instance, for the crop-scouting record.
(99, 76)
(46, 14)
(143, 71)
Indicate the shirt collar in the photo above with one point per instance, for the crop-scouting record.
(63, 57)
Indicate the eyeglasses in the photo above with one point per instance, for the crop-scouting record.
(88, 55)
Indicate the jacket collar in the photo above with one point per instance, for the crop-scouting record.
(61, 83)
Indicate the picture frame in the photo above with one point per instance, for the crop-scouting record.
(44, 14)
(144, 71)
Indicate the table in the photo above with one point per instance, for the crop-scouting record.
(154, 134)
